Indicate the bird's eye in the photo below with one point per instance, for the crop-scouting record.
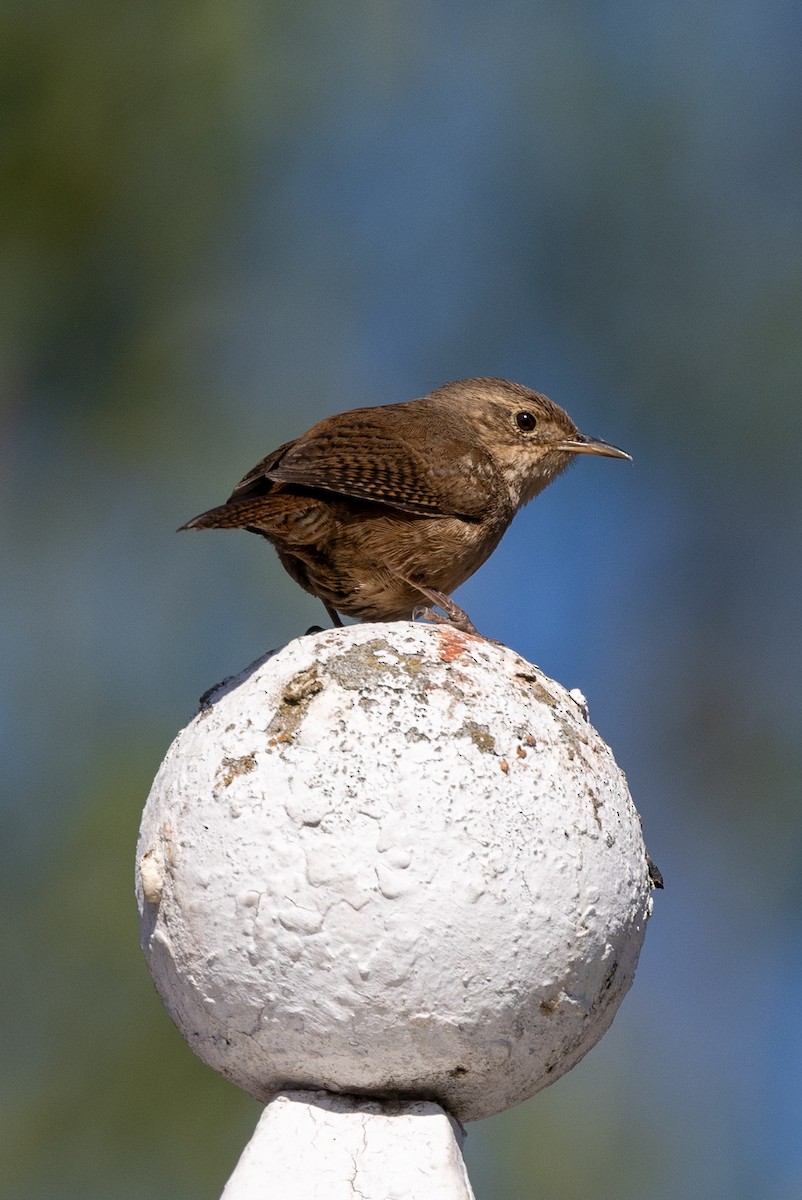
(526, 421)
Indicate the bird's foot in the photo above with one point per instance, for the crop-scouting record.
(653, 871)
(205, 700)
(451, 614)
(430, 615)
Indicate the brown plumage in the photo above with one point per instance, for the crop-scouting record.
(382, 512)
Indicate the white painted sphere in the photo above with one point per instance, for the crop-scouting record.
(392, 859)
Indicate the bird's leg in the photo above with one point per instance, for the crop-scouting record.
(335, 619)
(454, 614)
(335, 616)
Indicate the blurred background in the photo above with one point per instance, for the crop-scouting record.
(222, 222)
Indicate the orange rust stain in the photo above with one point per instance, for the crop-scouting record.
(453, 644)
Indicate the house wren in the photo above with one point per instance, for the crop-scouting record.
(382, 512)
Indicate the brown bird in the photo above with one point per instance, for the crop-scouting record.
(383, 512)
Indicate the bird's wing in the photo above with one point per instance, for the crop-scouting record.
(258, 479)
(385, 459)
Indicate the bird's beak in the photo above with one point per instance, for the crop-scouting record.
(585, 445)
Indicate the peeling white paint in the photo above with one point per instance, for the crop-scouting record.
(393, 859)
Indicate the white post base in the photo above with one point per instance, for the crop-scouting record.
(315, 1144)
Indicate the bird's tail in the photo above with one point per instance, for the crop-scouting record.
(236, 514)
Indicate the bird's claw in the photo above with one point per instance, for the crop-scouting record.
(453, 615)
(430, 615)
